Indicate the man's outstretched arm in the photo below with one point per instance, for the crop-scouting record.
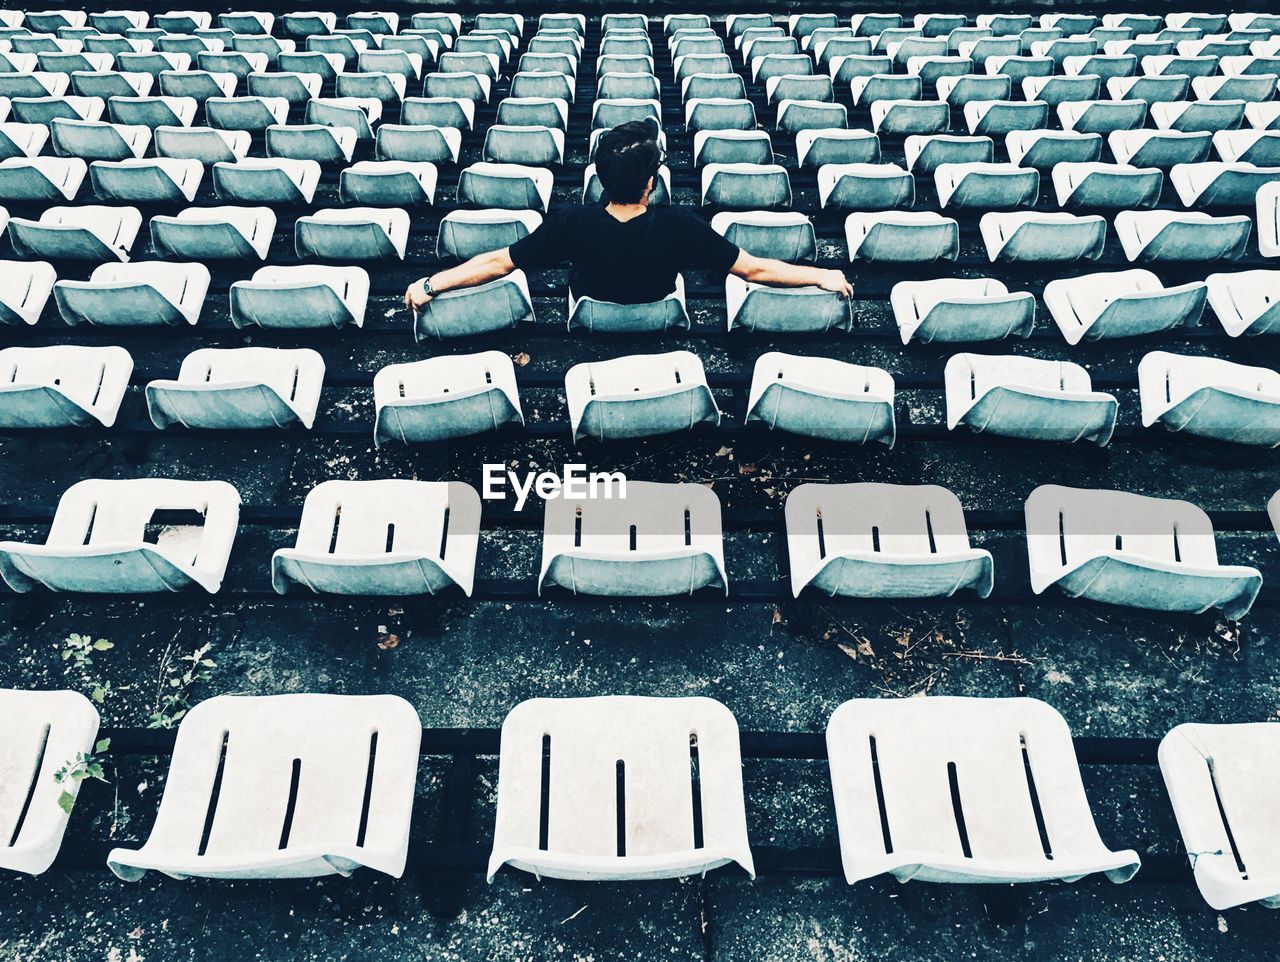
(766, 270)
(479, 270)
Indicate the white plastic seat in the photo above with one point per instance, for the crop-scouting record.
(1102, 116)
(1212, 398)
(814, 148)
(988, 186)
(910, 116)
(1118, 186)
(902, 236)
(865, 186)
(784, 235)
(1261, 147)
(505, 186)
(1219, 184)
(1246, 302)
(41, 178)
(146, 180)
(44, 732)
(1159, 148)
(1029, 236)
(415, 143)
(385, 183)
(466, 311)
(62, 385)
(1026, 397)
(1199, 115)
(638, 396)
(719, 113)
(602, 789)
(91, 232)
(657, 540)
(154, 293)
(1166, 235)
(22, 140)
(353, 233)
(960, 309)
(445, 397)
(999, 117)
(907, 772)
(98, 543)
(1221, 782)
(316, 142)
(384, 537)
(593, 314)
(215, 233)
(1268, 209)
(882, 541)
(205, 144)
(822, 398)
(97, 140)
(746, 186)
(1121, 304)
(301, 296)
(466, 233)
(306, 785)
(760, 307)
(239, 388)
(25, 287)
(277, 180)
(734, 147)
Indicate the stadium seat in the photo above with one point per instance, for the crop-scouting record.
(1026, 397)
(714, 88)
(958, 91)
(1057, 90)
(152, 112)
(253, 180)
(200, 85)
(1159, 148)
(205, 144)
(388, 183)
(1246, 302)
(594, 315)
(303, 296)
(146, 293)
(1102, 116)
(986, 186)
(960, 309)
(1004, 768)
(465, 311)
(311, 142)
(865, 187)
(795, 116)
(25, 287)
(638, 396)
(414, 143)
(822, 398)
(45, 730)
(444, 112)
(505, 186)
(785, 235)
(1219, 779)
(1165, 235)
(90, 233)
(1045, 149)
(1121, 304)
(1211, 398)
(292, 87)
(528, 145)
(110, 83)
(910, 116)
(644, 540)
(466, 233)
(815, 148)
(1153, 90)
(22, 140)
(353, 234)
(717, 113)
(446, 397)
(358, 113)
(758, 307)
(1112, 186)
(1218, 184)
(1249, 88)
(1199, 115)
(732, 147)
(1261, 147)
(902, 541)
(1030, 236)
(62, 385)
(746, 186)
(98, 540)
(1000, 117)
(535, 112)
(338, 772)
(215, 233)
(97, 140)
(41, 178)
(636, 760)
(239, 388)
(383, 537)
(902, 237)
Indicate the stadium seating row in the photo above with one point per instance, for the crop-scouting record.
(943, 789)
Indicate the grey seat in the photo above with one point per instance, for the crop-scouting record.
(466, 233)
(468, 311)
(784, 235)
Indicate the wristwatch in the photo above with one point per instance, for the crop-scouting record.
(427, 288)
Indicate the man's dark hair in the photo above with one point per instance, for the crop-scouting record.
(626, 157)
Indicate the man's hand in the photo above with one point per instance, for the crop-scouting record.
(835, 282)
(416, 297)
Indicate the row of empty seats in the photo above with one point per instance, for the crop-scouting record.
(940, 789)
(614, 537)
(640, 395)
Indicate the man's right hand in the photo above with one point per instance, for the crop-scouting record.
(416, 297)
(835, 282)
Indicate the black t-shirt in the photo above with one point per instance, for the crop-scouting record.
(635, 262)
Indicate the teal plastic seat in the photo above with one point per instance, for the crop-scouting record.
(746, 186)
(960, 90)
(388, 183)
(311, 142)
(146, 293)
(960, 309)
(385, 88)
(466, 233)
(1058, 90)
(110, 83)
(590, 314)
(1000, 117)
(1159, 148)
(715, 113)
(1166, 235)
(910, 116)
(152, 112)
(784, 235)
(304, 296)
(448, 112)
(243, 388)
(62, 385)
(926, 152)
(867, 90)
(795, 116)
(902, 237)
(294, 88)
(823, 398)
(22, 140)
(417, 143)
(552, 85)
(466, 311)
(358, 113)
(1114, 186)
(1154, 90)
(96, 140)
(215, 233)
(657, 541)
(986, 186)
(713, 87)
(639, 396)
(254, 114)
(205, 144)
(882, 541)
(732, 147)
(1027, 236)
(383, 537)
(97, 542)
(1246, 302)
(505, 186)
(41, 178)
(88, 233)
(276, 180)
(353, 234)
(1251, 88)
(865, 187)
(1210, 397)
(200, 85)
(1127, 549)
(1102, 116)
(1027, 397)
(445, 397)
(1121, 304)
(610, 86)
(815, 148)
(1261, 147)
(1199, 115)
(312, 63)
(1218, 184)
(532, 146)
(154, 180)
